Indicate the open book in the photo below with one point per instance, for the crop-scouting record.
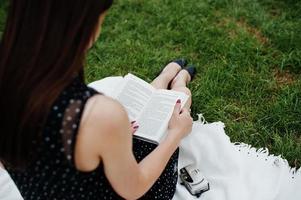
(151, 108)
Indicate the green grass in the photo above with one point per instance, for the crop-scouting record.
(248, 55)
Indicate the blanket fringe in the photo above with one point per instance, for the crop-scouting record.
(201, 119)
(263, 153)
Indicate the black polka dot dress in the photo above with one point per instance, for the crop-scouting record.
(53, 174)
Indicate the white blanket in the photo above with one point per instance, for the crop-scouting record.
(8, 189)
(234, 171)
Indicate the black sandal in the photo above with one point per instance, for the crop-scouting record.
(191, 71)
(182, 62)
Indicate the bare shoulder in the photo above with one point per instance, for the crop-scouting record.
(102, 108)
(103, 119)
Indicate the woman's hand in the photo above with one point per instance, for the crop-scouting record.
(110, 142)
(134, 127)
(180, 123)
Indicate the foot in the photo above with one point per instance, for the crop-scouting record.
(182, 62)
(183, 78)
(191, 71)
(172, 68)
(167, 74)
(175, 63)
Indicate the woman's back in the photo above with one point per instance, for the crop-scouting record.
(53, 173)
(54, 167)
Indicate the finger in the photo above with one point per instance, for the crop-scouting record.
(185, 111)
(134, 123)
(177, 108)
(185, 115)
(134, 129)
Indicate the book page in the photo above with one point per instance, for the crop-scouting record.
(134, 95)
(154, 119)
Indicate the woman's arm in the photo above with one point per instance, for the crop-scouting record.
(105, 134)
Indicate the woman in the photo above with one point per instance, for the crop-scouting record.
(61, 139)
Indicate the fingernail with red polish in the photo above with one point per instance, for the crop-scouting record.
(133, 122)
(135, 127)
(179, 101)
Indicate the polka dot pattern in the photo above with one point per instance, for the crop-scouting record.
(165, 186)
(52, 175)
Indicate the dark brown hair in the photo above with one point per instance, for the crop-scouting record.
(43, 47)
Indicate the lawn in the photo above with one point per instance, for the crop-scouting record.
(247, 52)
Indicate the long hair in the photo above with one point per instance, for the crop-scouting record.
(43, 47)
